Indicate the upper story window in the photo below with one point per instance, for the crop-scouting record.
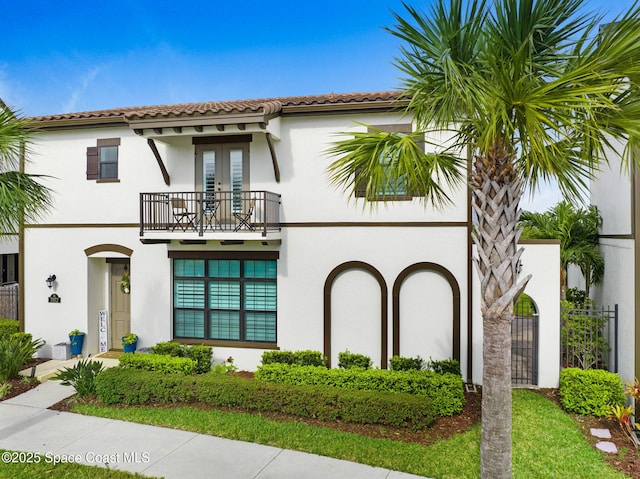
(102, 160)
(395, 188)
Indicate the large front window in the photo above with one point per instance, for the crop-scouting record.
(225, 299)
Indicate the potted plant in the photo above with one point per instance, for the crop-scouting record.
(76, 339)
(130, 342)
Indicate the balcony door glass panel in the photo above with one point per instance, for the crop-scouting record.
(235, 178)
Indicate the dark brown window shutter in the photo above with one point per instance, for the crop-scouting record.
(93, 163)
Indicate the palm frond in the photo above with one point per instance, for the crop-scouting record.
(21, 197)
(374, 162)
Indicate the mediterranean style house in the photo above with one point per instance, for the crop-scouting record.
(616, 193)
(215, 223)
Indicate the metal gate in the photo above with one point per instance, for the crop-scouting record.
(589, 338)
(524, 342)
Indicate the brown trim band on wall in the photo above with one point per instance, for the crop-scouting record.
(358, 265)
(386, 224)
(115, 248)
(174, 254)
(455, 289)
(80, 225)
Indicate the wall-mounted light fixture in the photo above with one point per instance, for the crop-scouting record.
(50, 280)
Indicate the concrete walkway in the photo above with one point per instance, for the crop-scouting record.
(27, 425)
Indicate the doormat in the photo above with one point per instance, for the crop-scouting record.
(110, 354)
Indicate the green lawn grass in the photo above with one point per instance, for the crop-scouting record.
(43, 469)
(547, 443)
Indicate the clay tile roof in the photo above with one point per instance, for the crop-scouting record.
(267, 106)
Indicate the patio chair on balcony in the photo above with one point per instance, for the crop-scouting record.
(184, 219)
(210, 207)
(244, 217)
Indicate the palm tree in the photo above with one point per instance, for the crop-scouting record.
(21, 195)
(530, 90)
(577, 230)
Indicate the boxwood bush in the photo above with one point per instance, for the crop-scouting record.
(349, 360)
(590, 392)
(8, 327)
(401, 363)
(126, 386)
(158, 362)
(201, 354)
(301, 358)
(446, 391)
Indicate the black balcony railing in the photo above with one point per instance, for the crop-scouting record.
(202, 212)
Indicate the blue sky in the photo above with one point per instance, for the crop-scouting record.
(69, 55)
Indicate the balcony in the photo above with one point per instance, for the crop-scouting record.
(224, 215)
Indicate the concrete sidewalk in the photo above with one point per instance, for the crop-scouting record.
(27, 425)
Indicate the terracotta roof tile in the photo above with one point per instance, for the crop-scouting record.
(265, 105)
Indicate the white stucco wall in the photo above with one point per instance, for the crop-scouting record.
(9, 244)
(618, 287)
(542, 261)
(612, 193)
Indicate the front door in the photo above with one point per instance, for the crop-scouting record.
(222, 172)
(120, 306)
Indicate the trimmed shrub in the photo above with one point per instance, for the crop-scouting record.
(446, 391)
(590, 392)
(442, 366)
(400, 363)
(201, 354)
(168, 348)
(8, 327)
(82, 376)
(157, 362)
(132, 387)
(301, 358)
(349, 360)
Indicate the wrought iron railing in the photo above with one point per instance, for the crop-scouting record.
(589, 338)
(202, 212)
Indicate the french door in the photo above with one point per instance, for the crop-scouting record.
(222, 173)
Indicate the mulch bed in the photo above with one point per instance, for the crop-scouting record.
(22, 385)
(627, 460)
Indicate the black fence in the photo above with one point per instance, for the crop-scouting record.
(525, 329)
(589, 338)
(9, 301)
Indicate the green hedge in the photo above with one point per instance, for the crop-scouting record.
(301, 358)
(201, 354)
(590, 392)
(401, 363)
(158, 362)
(349, 360)
(131, 387)
(446, 391)
(8, 327)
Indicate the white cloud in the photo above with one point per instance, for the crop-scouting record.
(78, 93)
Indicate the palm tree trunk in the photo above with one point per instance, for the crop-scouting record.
(496, 192)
